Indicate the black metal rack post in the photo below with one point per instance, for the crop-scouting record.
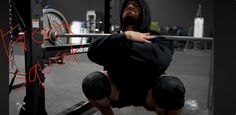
(35, 95)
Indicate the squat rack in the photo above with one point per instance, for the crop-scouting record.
(35, 95)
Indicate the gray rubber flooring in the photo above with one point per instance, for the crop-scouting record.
(63, 83)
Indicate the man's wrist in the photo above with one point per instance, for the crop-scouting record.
(123, 37)
(127, 34)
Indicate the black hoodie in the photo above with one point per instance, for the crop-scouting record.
(132, 66)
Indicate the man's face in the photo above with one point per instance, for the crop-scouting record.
(131, 12)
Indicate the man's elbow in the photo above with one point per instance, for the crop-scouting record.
(95, 57)
(163, 62)
(91, 54)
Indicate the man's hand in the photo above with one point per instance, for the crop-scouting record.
(138, 37)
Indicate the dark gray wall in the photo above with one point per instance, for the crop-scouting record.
(177, 12)
(166, 12)
(76, 9)
(181, 12)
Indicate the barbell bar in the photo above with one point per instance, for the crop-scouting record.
(176, 38)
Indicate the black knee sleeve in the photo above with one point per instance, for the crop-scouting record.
(169, 93)
(96, 86)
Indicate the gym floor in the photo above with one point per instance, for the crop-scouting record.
(63, 83)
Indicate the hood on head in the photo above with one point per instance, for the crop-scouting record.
(144, 26)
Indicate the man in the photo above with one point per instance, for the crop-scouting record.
(133, 62)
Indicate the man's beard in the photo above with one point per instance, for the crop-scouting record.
(130, 21)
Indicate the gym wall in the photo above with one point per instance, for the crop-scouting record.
(181, 12)
(166, 12)
(76, 9)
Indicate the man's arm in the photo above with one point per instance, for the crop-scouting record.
(112, 49)
(105, 51)
(158, 53)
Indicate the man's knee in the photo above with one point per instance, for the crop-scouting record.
(96, 86)
(168, 92)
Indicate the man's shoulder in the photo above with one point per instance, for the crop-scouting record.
(160, 37)
(152, 32)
